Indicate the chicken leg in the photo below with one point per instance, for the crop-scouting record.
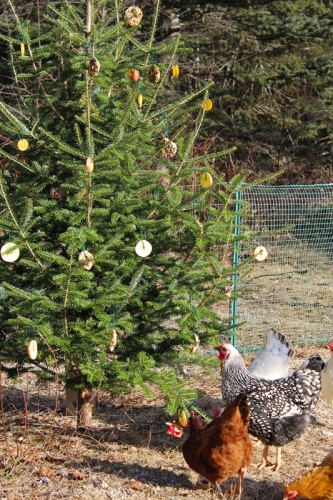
(266, 463)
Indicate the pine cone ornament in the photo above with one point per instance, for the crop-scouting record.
(170, 149)
(94, 66)
(133, 16)
(154, 74)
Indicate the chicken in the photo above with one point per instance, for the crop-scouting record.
(279, 409)
(223, 448)
(271, 363)
(314, 485)
(327, 377)
(272, 360)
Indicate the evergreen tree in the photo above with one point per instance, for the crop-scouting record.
(90, 180)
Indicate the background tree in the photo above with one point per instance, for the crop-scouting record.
(90, 179)
(272, 67)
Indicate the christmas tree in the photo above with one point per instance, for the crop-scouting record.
(108, 260)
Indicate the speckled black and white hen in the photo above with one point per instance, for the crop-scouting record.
(279, 409)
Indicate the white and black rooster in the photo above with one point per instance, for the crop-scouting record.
(280, 409)
(272, 362)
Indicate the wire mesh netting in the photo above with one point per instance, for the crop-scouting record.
(292, 289)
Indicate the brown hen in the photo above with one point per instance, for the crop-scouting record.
(223, 448)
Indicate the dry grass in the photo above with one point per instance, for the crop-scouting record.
(43, 457)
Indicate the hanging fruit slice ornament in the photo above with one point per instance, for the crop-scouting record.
(196, 344)
(207, 105)
(22, 49)
(170, 149)
(260, 253)
(140, 98)
(154, 74)
(182, 418)
(143, 248)
(133, 74)
(133, 16)
(206, 180)
(86, 259)
(113, 341)
(22, 144)
(89, 165)
(9, 252)
(94, 66)
(175, 71)
(32, 349)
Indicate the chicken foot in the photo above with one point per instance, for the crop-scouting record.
(266, 463)
(236, 490)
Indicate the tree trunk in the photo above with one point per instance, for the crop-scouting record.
(85, 405)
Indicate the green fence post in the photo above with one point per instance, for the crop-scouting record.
(235, 263)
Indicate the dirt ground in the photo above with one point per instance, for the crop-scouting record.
(127, 454)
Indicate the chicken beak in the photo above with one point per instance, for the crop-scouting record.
(285, 493)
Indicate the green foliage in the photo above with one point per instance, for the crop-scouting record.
(54, 209)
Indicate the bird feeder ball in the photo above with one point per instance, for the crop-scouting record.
(86, 259)
(133, 16)
(154, 74)
(170, 149)
(94, 66)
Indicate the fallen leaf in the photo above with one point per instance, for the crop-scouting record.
(134, 485)
(77, 475)
(46, 472)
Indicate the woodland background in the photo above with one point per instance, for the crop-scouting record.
(271, 62)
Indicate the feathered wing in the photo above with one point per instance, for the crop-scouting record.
(316, 484)
(284, 401)
(273, 359)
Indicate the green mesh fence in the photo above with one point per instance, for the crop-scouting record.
(291, 290)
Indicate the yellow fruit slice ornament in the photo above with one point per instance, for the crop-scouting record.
(32, 349)
(260, 253)
(140, 98)
(113, 341)
(22, 49)
(206, 180)
(22, 144)
(175, 71)
(182, 418)
(133, 16)
(143, 248)
(9, 252)
(207, 105)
